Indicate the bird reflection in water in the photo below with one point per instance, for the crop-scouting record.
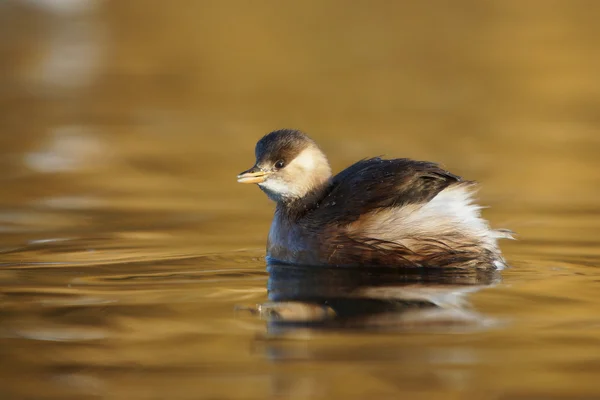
(372, 299)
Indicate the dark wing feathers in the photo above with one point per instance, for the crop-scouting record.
(376, 183)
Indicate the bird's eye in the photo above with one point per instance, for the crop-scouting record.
(280, 164)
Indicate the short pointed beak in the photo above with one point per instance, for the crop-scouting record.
(253, 175)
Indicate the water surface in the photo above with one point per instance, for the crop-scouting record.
(129, 252)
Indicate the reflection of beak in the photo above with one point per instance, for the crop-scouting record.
(253, 175)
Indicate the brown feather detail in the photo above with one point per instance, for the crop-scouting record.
(426, 252)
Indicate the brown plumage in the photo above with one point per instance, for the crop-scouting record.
(396, 212)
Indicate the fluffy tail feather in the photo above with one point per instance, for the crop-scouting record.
(504, 234)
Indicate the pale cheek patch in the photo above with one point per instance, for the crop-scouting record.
(308, 170)
(305, 160)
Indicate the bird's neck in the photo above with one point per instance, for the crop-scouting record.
(298, 207)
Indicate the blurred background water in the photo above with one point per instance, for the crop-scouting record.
(127, 246)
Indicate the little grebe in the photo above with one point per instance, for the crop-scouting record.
(397, 212)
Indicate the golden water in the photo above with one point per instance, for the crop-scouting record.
(129, 252)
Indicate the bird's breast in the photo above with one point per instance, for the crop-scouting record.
(289, 242)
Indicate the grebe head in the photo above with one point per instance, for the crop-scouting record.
(289, 165)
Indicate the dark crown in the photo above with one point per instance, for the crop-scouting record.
(283, 144)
